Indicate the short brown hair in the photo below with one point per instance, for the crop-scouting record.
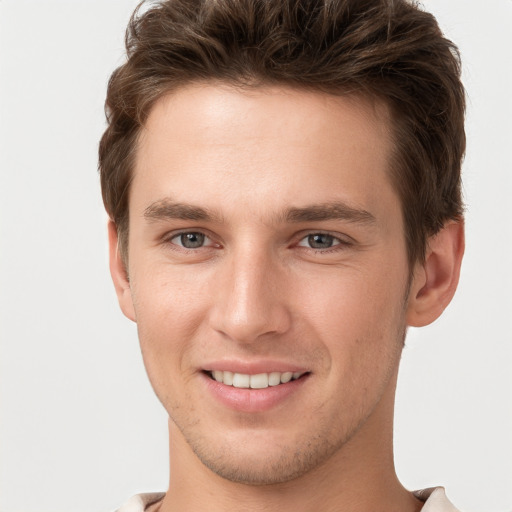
(388, 49)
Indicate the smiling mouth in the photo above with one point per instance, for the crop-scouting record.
(258, 381)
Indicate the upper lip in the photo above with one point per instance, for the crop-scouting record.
(253, 367)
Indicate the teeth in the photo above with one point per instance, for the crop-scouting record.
(258, 381)
(274, 379)
(240, 380)
(227, 378)
(286, 377)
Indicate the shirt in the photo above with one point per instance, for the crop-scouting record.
(435, 501)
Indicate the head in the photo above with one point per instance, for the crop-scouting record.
(283, 180)
(386, 50)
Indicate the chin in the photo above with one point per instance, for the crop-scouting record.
(262, 463)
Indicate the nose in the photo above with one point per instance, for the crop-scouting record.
(250, 297)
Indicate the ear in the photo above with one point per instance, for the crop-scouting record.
(435, 281)
(119, 273)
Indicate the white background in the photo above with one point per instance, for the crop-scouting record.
(80, 428)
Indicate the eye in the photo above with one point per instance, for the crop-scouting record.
(319, 241)
(190, 240)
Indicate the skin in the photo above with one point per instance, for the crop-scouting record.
(269, 166)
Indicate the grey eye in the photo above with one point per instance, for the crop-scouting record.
(190, 240)
(321, 241)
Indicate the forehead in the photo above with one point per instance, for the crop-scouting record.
(273, 143)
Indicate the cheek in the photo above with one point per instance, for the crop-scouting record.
(360, 318)
(168, 309)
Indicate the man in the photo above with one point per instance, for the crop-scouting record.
(283, 184)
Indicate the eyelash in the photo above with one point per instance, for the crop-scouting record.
(339, 243)
(170, 240)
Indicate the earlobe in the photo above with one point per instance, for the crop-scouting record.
(435, 281)
(119, 274)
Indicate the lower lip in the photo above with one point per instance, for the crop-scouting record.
(253, 400)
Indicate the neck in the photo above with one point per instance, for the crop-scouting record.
(359, 477)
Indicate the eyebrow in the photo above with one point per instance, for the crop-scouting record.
(167, 209)
(330, 211)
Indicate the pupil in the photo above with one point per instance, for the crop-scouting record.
(192, 240)
(320, 241)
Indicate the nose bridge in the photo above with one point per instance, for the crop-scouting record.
(250, 303)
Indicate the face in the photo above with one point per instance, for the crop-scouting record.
(267, 273)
